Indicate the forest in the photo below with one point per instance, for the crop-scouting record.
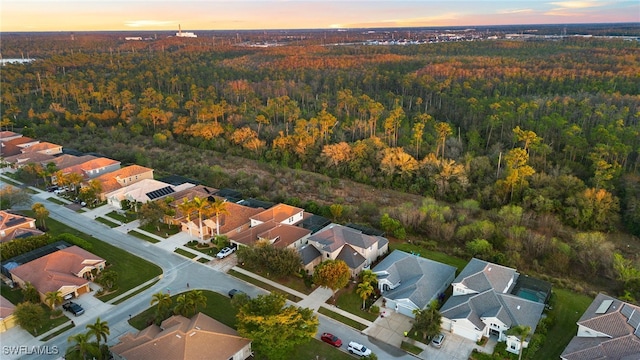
(524, 153)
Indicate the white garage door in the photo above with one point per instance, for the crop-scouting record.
(405, 311)
(465, 332)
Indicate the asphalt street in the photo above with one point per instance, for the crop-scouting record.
(177, 272)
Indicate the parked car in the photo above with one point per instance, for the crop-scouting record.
(52, 188)
(73, 308)
(358, 349)
(234, 292)
(225, 252)
(437, 340)
(331, 339)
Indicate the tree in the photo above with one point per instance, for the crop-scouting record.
(163, 304)
(30, 294)
(186, 208)
(11, 196)
(197, 300)
(29, 315)
(517, 169)
(151, 213)
(81, 347)
(219, 207)
(443, 130)
(521, 332)
(332, 274)
(274, 328)
(336, 211)
(364, 290)
(202, 206)
(368, 276)
(428, 320)
(108, 279)
(100, 330)
(52, 298)
(41, 214)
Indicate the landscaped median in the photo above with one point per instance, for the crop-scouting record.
(185, 253)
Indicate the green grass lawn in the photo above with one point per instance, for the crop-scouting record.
(343, 319)
(143, 236)
(349, 301)
(107, 222)
(135, 293)
(568, 307)
(265, 286)
(132, 270)
(13, 295)
(291, 281)
(203, 260)
(433, 255)
(56, 201)
(211, 251)
(126, 218)
(162, 230)
(219, 308)
(185, 253)
(410, 348)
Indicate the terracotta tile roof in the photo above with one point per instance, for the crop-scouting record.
(93, 164)
(131, 170)
(9, 223)
(614, 329)
(22, 233)
(110, 181)
(6, 307)
(43, 146)
(15, 146)
(8, 135)
(58, 269)
(238, 216)
(200, 337)
(278, 213)
(32, 157)
(280, 235)
(66, 160)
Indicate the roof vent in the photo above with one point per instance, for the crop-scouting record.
(193, 333)
(178, 336)
(197, 327)
(518, 307)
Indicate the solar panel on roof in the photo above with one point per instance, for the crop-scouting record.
(634, 320)
(160, 192)
(604, 306)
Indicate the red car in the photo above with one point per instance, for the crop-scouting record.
(331, 339)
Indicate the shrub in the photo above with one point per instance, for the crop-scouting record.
(374, 309)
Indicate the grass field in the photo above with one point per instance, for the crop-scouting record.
(568, 307)
(348, 300)
(126, 218)
(265, 286)
(109, 223)
(433, 255)
(185, 253)
(143, 236)
(343, 319)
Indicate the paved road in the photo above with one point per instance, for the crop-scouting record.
(177, 272)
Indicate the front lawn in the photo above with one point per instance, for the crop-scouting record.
(348, 300)
(292, 281)
(343, 319)
(161, 229)
(13, 295)
(143, 236)
(207, 250)
(123, 218)
(107, 222)
(185, 253)
(263, 285)
(132, 270)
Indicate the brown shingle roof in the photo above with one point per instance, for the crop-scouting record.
(200, 337)
(53, 271)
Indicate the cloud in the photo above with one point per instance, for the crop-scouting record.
(516, 11)
(147, 23)
(577, 4)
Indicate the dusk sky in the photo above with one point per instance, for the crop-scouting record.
(193, 15)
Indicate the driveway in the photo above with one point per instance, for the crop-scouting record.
(456, 347)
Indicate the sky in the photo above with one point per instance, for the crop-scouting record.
(193, 15)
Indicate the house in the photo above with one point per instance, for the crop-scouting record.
(198, 338)
(281, 213)
(608, 329)
(68, 270)
(7, 319)
(122, 177)
(16, 145)
(236, 221)
(22, 159)
(43, 148)
(93, 168)
(277, 234)
(8, 135)
(14, 226)
(487, 301)
(409, 282)
(337, 242)
(66, 160)
(143, 191)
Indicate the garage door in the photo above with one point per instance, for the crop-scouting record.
(470, 334)
(405, 311)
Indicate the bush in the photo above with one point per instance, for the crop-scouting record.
(374, 309)
(72, 239)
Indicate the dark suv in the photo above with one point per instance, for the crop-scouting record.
(73, 308)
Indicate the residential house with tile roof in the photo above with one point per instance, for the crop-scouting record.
(337, 242)
(608, 329)
(93, 168)
(68, 270)
(7, 319)
(8, 135)
(198, 338)
(277, 234)
(143, 191)
(22, 159)
(43, 148)
(483, 305)
(280, 213)
(14, 226)
(409, 282)
(122, 177)
(16, 145)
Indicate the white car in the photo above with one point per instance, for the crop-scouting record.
(225, 252)
(358, 349)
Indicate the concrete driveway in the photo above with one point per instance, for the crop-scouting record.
(455, 347)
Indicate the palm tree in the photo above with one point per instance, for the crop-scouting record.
(364, 290)
(369, 276)
(219, 207)
(183, 306)
(99, 329)
(163, 302)
(52, 298)
(75, 180)
(202, 206)
(41, 213)
(521, 332)
(197, 299)
(82, 347)
(187, 208)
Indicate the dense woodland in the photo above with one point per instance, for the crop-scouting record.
(524, 153)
